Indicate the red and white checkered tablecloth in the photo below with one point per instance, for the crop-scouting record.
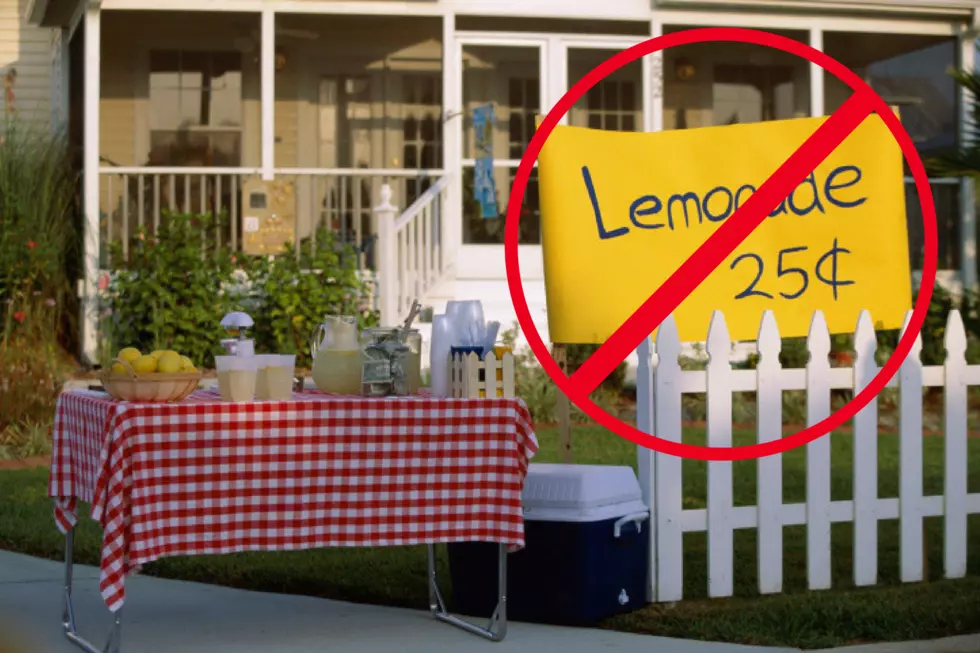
(206, 477)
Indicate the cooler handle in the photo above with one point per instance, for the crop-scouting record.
(637, 518)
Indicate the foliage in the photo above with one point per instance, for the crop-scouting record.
(291, 294)
(539, 392)
(965, 160)
(37, 248)
(176, 285)
(37, 195)
(578, 354)
(167, 293)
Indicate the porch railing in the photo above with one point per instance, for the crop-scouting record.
(412, 242)
(340, 199)
(345, 201)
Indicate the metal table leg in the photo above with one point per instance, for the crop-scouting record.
(496, 630)
(114, 643)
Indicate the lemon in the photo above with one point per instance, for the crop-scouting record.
(145, 365)
(118, 368)
(186, 365)
(169, 363)
(129, 354)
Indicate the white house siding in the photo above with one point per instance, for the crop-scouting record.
(25, 49)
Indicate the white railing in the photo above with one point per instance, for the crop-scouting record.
(661, 384)
(340, 199)
(412, 258)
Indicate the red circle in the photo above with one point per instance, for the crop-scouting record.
(703, 35)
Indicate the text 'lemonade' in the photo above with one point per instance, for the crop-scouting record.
(622, 211)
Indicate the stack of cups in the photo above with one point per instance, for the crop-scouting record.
(439, 347)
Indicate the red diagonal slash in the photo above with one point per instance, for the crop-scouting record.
(722, 243)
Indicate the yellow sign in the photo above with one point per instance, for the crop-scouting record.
(622, 211)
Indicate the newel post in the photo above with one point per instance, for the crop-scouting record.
(386, 257)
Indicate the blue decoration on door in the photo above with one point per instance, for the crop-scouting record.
(484, 190)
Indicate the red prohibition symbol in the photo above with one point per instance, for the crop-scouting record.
(863, 102)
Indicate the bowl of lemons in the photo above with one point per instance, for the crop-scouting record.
(159, 377)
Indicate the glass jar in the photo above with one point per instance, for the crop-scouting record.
(392, 361)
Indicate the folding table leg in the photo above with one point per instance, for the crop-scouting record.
(113, 645)
(496, 630)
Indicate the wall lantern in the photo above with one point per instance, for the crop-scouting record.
(684, 69)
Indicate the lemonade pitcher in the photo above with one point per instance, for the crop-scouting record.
(336, 355)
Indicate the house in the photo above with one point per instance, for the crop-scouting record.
(328, 108)
(25, 66)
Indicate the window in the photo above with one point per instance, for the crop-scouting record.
(421, 129)
(612, 105)
(195, 108)
(750, 93)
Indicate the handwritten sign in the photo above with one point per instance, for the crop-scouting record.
(620, 212)
(484, 188)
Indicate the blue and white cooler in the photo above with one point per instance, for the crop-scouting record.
(585, 556)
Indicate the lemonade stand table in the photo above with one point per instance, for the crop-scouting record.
(206, 477)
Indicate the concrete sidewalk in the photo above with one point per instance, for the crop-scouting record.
(164, 616)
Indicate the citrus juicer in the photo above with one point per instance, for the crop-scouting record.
(236, 325)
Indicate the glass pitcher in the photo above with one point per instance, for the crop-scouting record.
(336, 352)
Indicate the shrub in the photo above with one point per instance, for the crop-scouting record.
(291, 294)
(177, 285)
(168, 293)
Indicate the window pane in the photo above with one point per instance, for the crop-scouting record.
(194, 69)
(613, 103)
(490, 231)
(508, 79)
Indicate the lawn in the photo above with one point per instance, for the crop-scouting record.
(396, 576)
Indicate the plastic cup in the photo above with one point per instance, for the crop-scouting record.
(275, 377)
(237, 377)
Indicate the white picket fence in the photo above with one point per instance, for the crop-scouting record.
(660, 386)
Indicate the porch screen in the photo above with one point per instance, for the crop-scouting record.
(195, 108)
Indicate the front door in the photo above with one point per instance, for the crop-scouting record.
(523, 76)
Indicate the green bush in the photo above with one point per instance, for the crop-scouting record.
(168, 293)
(176, 286)
(37, 248)
(540, 393)
(290, 295)
(578, 354)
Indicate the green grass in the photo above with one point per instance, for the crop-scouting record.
(396, 576)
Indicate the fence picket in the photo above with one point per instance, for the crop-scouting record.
(955, 432)
(719, 407)
(644, 456)
(669, 490)
(818, 456)
(865, 457)
(910, 462)
(769, 419)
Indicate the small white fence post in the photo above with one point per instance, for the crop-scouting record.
(668, 493)
(910, 462)
(386, 257)
(818, 456)
(769, 427)
(954, 439)
(645, 460)
(865, 457)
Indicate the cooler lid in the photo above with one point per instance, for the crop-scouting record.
(579, 488)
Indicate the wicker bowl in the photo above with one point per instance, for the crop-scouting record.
(149, 388)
